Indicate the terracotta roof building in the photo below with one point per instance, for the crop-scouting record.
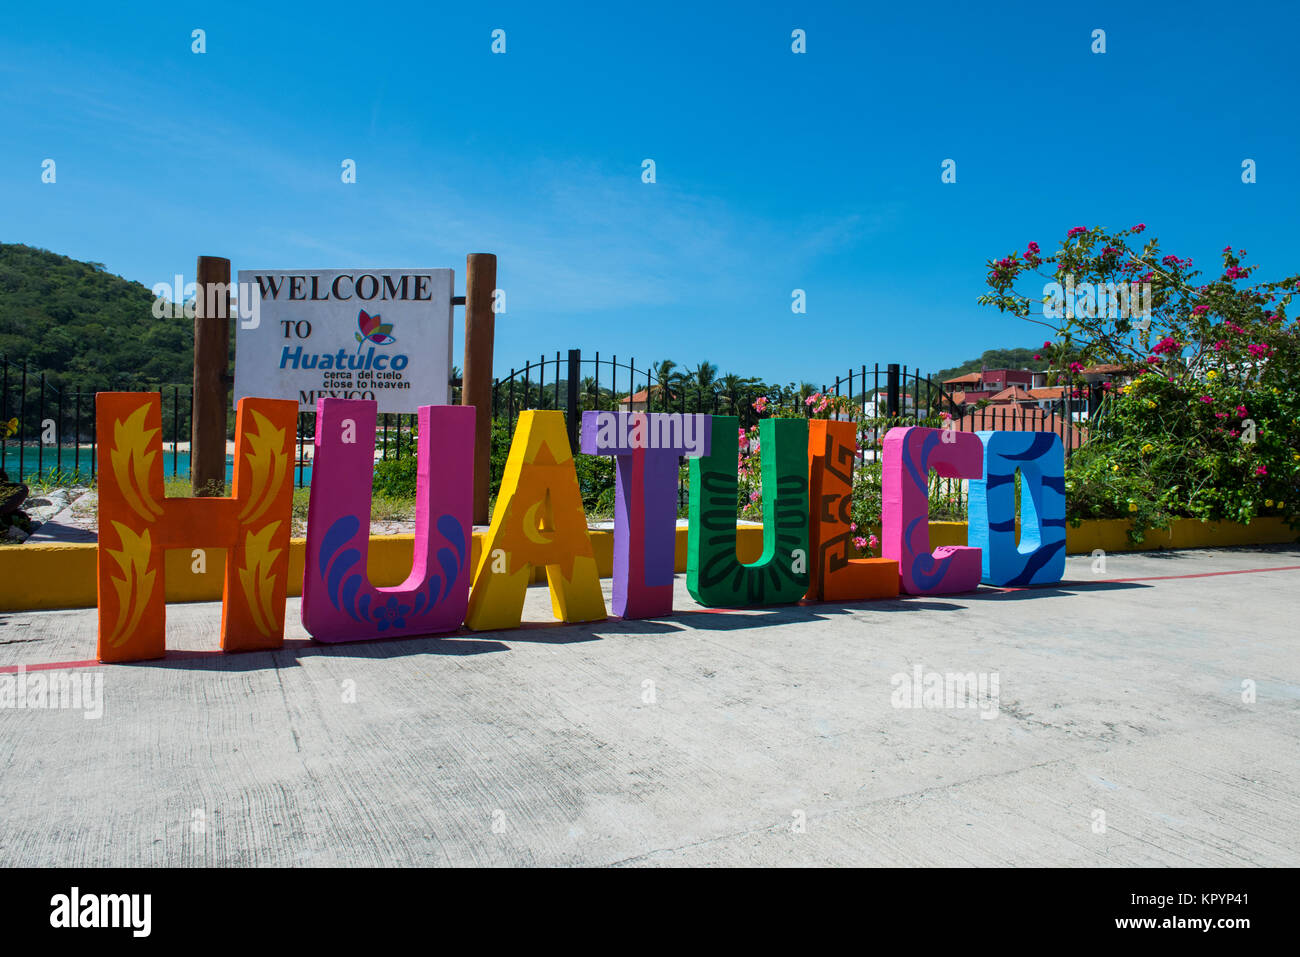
(1021, 418)
(1013, 393)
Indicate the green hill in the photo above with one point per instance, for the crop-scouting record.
(84, 327)
(996, 359)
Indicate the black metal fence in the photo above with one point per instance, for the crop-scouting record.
(574, 385)
(396, 434)
(49, 433)
(911, 398)
(48, 430)
(44, 428)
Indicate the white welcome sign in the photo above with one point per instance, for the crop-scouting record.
(382, 334)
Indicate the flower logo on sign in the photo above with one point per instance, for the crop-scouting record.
(372, 329)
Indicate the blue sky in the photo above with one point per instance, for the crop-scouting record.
(775, 171)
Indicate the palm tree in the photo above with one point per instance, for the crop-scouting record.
(702, 377)
(738, 393)
(729, 388)
(665, 378)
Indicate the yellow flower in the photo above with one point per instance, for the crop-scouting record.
(1132, 507)
(1150, 404)
(1281, 504)
(1147, 448)
(1115, 468)
(1268, 503)
(1211, 374)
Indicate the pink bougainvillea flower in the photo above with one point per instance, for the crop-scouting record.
(1241, 412)
(873, 541)
(1207, 399)
(1076, 231)
(1139, 227)
(1261, 470)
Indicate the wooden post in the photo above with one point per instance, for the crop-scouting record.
(211, 358)
(476, 389)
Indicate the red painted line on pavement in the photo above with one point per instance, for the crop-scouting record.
(1240, 571)
(49, 666)
(531, 625)
(1153, 578)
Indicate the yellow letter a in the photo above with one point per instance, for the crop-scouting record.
(538, 520)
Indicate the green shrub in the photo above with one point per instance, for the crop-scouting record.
(395, 477)
(1209, 426)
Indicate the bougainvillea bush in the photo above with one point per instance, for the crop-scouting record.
(1207, 421)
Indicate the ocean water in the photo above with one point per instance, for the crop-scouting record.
(177, 464)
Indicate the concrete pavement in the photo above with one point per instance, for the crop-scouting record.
(1122, 732)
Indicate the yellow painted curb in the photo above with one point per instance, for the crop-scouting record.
(1111, 535)
(45, 576)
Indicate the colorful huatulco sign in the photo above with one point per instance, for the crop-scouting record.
(538, 521)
